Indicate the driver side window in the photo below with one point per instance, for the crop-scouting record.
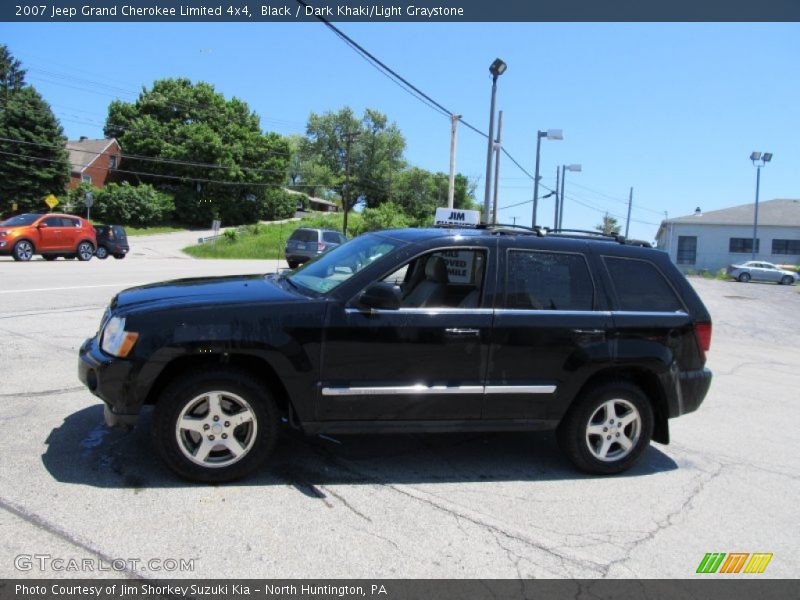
(442, 279)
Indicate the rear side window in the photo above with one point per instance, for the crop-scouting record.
(304, 235)
(70, 222)
(331, 237)
(548, 281)
(640, 286)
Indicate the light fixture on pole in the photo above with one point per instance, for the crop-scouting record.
(550, 134)
(564, 169)
(497, 68)
(759, 160)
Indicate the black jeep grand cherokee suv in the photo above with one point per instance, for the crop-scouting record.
(406, 331)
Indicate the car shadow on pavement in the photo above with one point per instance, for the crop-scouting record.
(84, 451)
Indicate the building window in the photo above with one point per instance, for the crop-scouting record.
(112, 161)
(786, 247)
(86, 178)
(687, 249)
(742, 245)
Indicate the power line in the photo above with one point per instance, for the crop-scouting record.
(173, 177)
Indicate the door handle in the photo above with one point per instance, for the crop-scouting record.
(594, 332)
(460, 332)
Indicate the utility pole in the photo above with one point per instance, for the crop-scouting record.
(451, 186)
(558, 194)
(348, 137)
(497, 148)
(628, 221)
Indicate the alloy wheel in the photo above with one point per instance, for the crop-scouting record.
(613, 430)
(216, 429)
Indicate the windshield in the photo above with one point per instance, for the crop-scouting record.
(340, 264)
(26, 219)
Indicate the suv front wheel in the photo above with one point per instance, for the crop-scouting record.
(608, 428)
(215, 426)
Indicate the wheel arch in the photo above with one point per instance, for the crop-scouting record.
(648, 382)
(26, 239)
(254, 366)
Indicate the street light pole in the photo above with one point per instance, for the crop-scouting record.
(497, 68)
(763, 158)
(564, 169)
(451, 185)
(550, 134)
(558, 196)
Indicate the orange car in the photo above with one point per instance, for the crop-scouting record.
(51, 235)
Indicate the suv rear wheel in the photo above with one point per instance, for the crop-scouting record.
(215, 426)
(608, 428)
(85, 251)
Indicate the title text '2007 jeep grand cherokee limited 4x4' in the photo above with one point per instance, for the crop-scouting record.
(415, 330)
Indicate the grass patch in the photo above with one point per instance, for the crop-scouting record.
(132, 231)
(721, 275)
(262, 241)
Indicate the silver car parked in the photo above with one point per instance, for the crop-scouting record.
(761, 271)
(305, 244)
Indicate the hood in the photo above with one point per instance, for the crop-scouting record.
(235, 289)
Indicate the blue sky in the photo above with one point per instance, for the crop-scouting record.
(673, 110)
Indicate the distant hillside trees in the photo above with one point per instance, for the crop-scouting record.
(33, 159)
(208, 151)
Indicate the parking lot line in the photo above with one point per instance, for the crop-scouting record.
(74, 287)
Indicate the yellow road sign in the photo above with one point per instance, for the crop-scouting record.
(51, 201)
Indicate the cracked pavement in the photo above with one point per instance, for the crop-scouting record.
(427, 506)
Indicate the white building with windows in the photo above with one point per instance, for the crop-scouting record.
(713, 240)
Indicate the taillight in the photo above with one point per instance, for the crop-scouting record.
(321, 247)
(703, 333)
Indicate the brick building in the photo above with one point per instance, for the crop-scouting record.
(93, 161)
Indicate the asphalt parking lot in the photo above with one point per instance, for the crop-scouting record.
(429, 506)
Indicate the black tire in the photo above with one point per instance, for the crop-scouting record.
(293, 264)
(23, 251)
(577, 443)
(49, 256)
(744, 277)
(119, 256)
(787, 280)
(101, 252)
(85, 251)
(186, 391)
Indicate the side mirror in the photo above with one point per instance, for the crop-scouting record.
(381, 295)
(41, 226)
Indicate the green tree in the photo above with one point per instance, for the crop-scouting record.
(208, 151)
(33, 157)
(609, 225)
(371, 147)
(419, 192)
(12, 75)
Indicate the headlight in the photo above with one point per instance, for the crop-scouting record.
(3, 233)
(116, 341)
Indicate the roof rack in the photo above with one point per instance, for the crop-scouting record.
(514, 229)
(608, 236)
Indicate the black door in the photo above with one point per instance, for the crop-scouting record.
(546, 330)
(423, 361)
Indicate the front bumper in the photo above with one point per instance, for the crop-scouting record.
(109, 379)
